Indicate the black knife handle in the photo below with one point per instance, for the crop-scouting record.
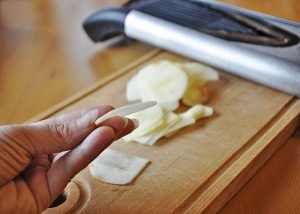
(105, 24)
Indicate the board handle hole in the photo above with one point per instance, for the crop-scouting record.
(59, 200)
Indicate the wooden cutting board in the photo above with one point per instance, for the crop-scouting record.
(201, 167)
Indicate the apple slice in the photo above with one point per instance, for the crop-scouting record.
(195, 95)
(152, 137)
(149, 120)
(199, 72)
(125, 110)
(132, 89)
(164, 82)
(189, 117)
(115, 167)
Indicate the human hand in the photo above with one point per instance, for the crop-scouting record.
(38, 160)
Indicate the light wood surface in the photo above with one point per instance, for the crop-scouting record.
(45, 58)
(275, 188)
(186, 173)
(287, 9)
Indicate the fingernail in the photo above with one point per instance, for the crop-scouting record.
(125, 121)
(135, 122)
(120, 130)
(87, 119)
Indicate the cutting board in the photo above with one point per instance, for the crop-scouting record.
(201, 167)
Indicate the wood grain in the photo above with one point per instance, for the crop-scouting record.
(197, 165)
(81, 94)
(45, 56)
(275, 188)
(287, 9)
(261, 148)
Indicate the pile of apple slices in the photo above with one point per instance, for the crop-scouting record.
(169, 84)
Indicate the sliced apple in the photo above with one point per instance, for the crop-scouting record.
(132, 90)
(168, 83)
(149, 120)
(199, 72)
(164, 82)
(116, 167)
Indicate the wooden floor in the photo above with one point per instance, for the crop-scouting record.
(45, 57)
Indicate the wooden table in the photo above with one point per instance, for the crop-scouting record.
(46, 58)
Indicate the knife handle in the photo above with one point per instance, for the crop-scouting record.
(105, 24)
